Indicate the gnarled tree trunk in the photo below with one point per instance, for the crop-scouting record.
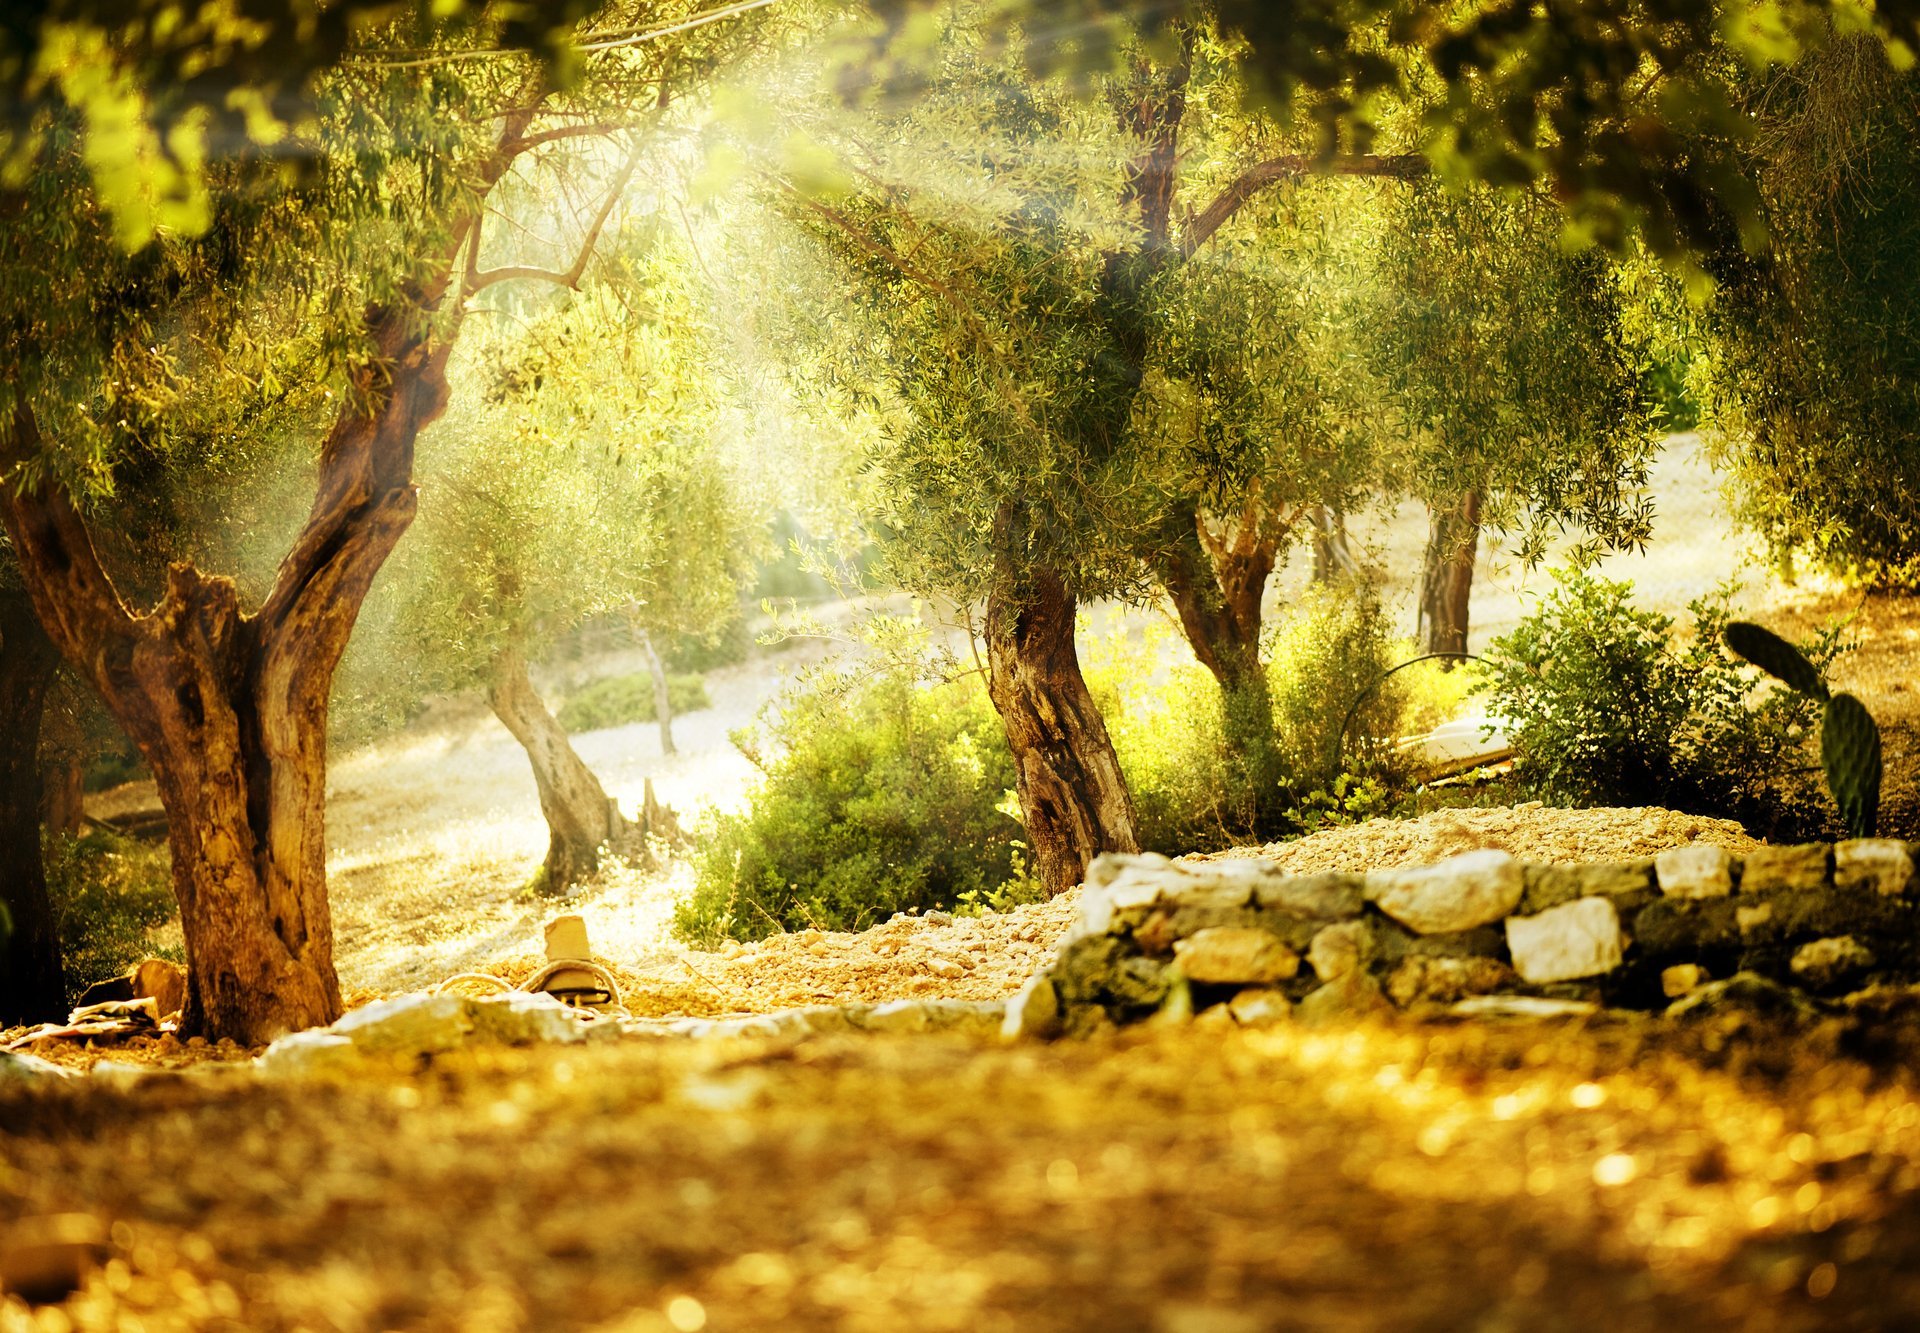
(662, 696)
(1217, 583)
(1446, 577)
(230, 709)
(32, 988)
(1072, 794)
(582, 820)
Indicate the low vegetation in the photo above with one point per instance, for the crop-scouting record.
(614, 701)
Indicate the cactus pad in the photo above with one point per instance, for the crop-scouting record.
(1775, 656)
(1850, 751)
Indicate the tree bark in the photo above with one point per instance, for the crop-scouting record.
(1446, 579)
(582, 820)
(63, 796)
(662, 696)
(1072, 794)
(1332, 556)
(32, 987)
(1217, 584)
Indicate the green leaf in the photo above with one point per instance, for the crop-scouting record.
(1850, 751)
(1775, 656)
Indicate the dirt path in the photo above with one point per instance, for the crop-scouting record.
(1610, 1176)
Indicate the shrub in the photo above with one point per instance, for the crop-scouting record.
(1166, 716)
(614, 701)
(109, 893)
(882, 793)
(728, 645)
(1606, 710)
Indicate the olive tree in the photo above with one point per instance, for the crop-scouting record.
(364, 253)
(583, 477)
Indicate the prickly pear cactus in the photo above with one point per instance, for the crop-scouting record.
(1850, 751)
(1775, 656)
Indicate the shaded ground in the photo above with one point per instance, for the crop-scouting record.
(1614, 1175)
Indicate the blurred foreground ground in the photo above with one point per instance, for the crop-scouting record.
(1616, 1173)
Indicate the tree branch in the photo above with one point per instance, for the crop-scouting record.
(71, 590)
(586, 130)
(478, 281)
(1395, 166)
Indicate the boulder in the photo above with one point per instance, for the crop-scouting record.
(1338, 949)
(418, 1024)
(1442, 980)
(1034, 1010)
(1576, 939)
(1629, 883)
(1237, 955)
(1699, 871)
(1471, 889)
(1259, 1007)
(1824, 964)
(317, 1051)
(520, 1019)
(1353, 995)
(1880, 864)
(1682, 979)
(1765, 869)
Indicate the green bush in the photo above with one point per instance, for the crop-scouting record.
(1166, 715)
(614, 701)
(882, 793)
(108, 893)
(1605, 709)
(693, 654)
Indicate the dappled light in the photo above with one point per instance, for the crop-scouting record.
(959, 664)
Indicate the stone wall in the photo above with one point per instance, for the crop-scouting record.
(1482, 932)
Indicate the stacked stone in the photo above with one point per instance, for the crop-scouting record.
(1238, 940)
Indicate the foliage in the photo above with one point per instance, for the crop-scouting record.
(1169, 727)
(881, 792)
(1812, 355)
(1605, 709)
(1516, 369)
(614, 701)
(108, 893)
(1849, 737)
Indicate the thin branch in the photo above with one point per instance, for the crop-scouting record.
(590, 129)
(590, 41)
(478, 281)
(1395, 166)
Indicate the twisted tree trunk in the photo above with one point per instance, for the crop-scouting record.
(1446, 578)
(32, 987)
(582, 820)
(1073, 797)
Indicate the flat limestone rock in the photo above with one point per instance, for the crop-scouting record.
(1880, 864)
(1471, 889)
(311, 1052)
(1337, 949)
(418, 1024)
(1034, 1011)
(1799, 868)
(1699, 871)
(520, 1019)
(1576, 939)
(1681, 978)
(1242, 955)
(1523, 1006)
(1259, 1007)
(22, 1068)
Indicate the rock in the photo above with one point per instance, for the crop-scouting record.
(932, 1016)
(419, 1024)
(1442, 980)
(946, 969)
(1743, 992)
(1629, 883)
(1235, 954)
(1327, 896)
(1463, 891)
(1338, 949)
(300, 1053)
(1681, 978)
(1523, 1006)
(1880, 864)
(1754, 917)
(1827, 963)
(1034, 1010)
(1353, 995)
(1798, 868)
(20, 1068)
(1138, 983)
(520, 1019)
(1576, 939)
(1259, 1007)
(1699, 871)
(46, 1259)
